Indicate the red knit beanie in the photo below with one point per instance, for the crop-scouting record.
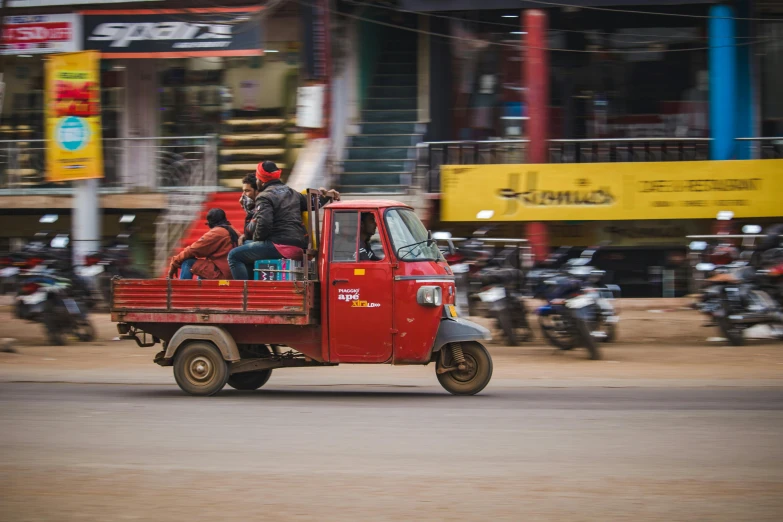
(267, 171)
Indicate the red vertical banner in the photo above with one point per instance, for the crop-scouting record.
(536, 77)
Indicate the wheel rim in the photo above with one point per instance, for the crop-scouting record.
(200, 370)
(557, 328)
(470, 371)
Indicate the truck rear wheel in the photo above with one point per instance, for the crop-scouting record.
(475, 376)
(249, 381)
(199, 369)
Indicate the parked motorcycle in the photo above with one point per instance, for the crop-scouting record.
(734, 301)
(102, 266)
(504, 301)
(578, 312)
(57, 303)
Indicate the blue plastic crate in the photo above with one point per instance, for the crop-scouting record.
(264, 269)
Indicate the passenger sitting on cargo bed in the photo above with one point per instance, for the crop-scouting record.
(278, 230)
(207, 258)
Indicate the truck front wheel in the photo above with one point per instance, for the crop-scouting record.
(468, 377)
(199, 369)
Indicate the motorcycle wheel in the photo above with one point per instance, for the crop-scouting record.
(559, 338)
(85, 331)
(507, 325)
(587, 339)
(610, 329)
(19, 310)
(104, 286)
(731, 331)
(54, 331)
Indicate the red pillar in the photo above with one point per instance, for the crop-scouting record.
(535, 75)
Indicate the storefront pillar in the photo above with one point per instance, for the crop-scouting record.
(535, 76)
(746, 99)
(723, 82)
(86, 231)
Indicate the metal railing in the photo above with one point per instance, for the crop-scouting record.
(765, 148)
(130, 164)
(187, 177)
(612, 150)
(430, 156)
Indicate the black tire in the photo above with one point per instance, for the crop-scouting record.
(564, 341)
(104, 286)
(475, 378)
(54, 332)
(86, 331)
(734, 334)
(587, 339)
(506, 322)
(19, 310)
(199, 369)
(249, 381)
(610, 329)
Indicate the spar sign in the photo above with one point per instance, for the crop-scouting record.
(73, 121)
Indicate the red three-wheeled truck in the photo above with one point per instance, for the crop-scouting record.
(338, 308)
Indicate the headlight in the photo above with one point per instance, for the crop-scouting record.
(429, 296)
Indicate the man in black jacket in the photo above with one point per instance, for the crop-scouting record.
(278, 231)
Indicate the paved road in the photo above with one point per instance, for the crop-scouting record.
(121, 452)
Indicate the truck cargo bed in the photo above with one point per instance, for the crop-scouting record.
(220, 302)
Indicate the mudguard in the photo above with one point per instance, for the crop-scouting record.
(457, 330)
(214, 334)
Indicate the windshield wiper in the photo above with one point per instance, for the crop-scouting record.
(411, 247)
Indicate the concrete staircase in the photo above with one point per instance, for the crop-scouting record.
(249, 140)
(381, 158)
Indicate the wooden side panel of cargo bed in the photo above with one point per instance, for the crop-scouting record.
(175, 295)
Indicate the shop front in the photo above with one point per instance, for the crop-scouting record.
(27, 40)
(190, 73)
(639, 213)
(610, 74)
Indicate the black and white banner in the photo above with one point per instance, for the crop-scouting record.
(173, 33)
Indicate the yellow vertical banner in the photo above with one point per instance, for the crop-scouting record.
(73, 117)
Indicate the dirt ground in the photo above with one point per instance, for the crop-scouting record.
(658, 340)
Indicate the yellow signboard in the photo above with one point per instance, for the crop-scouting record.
(73, 121)
(611, 191)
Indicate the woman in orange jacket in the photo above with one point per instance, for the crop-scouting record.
(207, 258)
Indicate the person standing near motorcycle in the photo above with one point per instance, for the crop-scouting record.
(207, 258)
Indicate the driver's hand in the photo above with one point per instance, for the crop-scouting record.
(172, 271)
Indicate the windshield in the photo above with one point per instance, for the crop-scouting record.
(405, 229)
